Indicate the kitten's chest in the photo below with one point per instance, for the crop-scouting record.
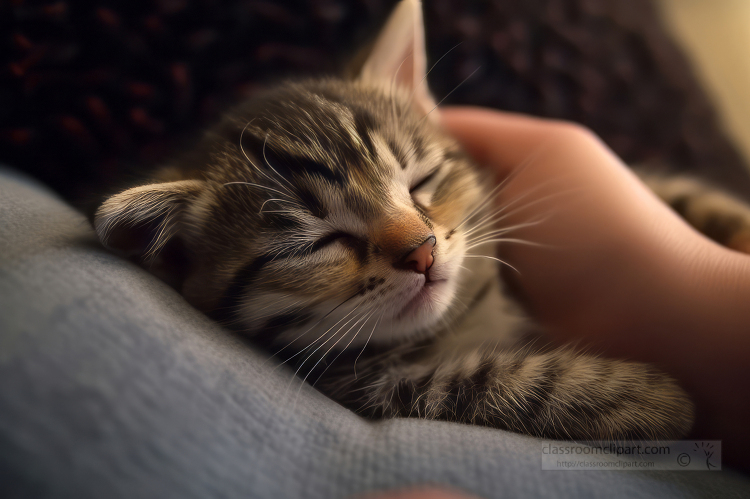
(491, 319)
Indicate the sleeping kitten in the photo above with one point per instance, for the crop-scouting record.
(333, 219)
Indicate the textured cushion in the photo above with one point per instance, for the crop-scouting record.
(112, 386)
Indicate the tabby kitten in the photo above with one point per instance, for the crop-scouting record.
(331, 215)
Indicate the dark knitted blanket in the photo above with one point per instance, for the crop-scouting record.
(91, 92)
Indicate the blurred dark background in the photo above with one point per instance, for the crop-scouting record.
(94, 92)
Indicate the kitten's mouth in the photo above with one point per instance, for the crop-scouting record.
(426, 295)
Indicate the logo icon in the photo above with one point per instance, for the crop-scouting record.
(708, 451)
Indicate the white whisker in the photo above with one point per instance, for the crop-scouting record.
(489, 197)
(424, 78)
(320, 337)
(366, 343)
(505, 230)
(332, 336)
(392, 93)
(258, 169)
(260, 211)
(449, 93)
(469, 255)
(372, 312)
(490, 218)
(274, 170)
(258, 186)
(503, 240)
(310, 329)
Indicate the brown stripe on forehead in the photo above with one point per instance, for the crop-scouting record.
(397, 152)
(364, 125)
(264, 142)
(294, 164)
(302, 124)
(311, 202)
(420, 146)
(281, 221)
(332, 145)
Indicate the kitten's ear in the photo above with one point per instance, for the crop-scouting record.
(398, 57)
(142, 220)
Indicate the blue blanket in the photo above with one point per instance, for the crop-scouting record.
(112, 386)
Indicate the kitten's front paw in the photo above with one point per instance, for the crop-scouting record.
(559, 394)
(713, 212)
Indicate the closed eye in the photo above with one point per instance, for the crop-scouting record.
(329, 239)
(359, 247)
(424, 181)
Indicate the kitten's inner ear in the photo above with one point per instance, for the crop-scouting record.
(398, 57)
(142, 220)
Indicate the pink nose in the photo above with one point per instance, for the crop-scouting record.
(420, 260)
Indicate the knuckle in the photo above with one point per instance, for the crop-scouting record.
(575, 132)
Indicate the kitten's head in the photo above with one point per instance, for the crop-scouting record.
(325, 211)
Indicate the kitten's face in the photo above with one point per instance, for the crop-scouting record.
(348, 183)
(326, 212)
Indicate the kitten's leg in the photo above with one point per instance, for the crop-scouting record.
(559, 394)
(711, 211)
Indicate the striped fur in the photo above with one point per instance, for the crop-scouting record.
(290, 221)
(297, 208)
(560, 394)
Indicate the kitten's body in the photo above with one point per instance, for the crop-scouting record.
(329, 215)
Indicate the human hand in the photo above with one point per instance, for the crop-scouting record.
(617, 269)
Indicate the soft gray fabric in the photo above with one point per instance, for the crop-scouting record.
(112, 386)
